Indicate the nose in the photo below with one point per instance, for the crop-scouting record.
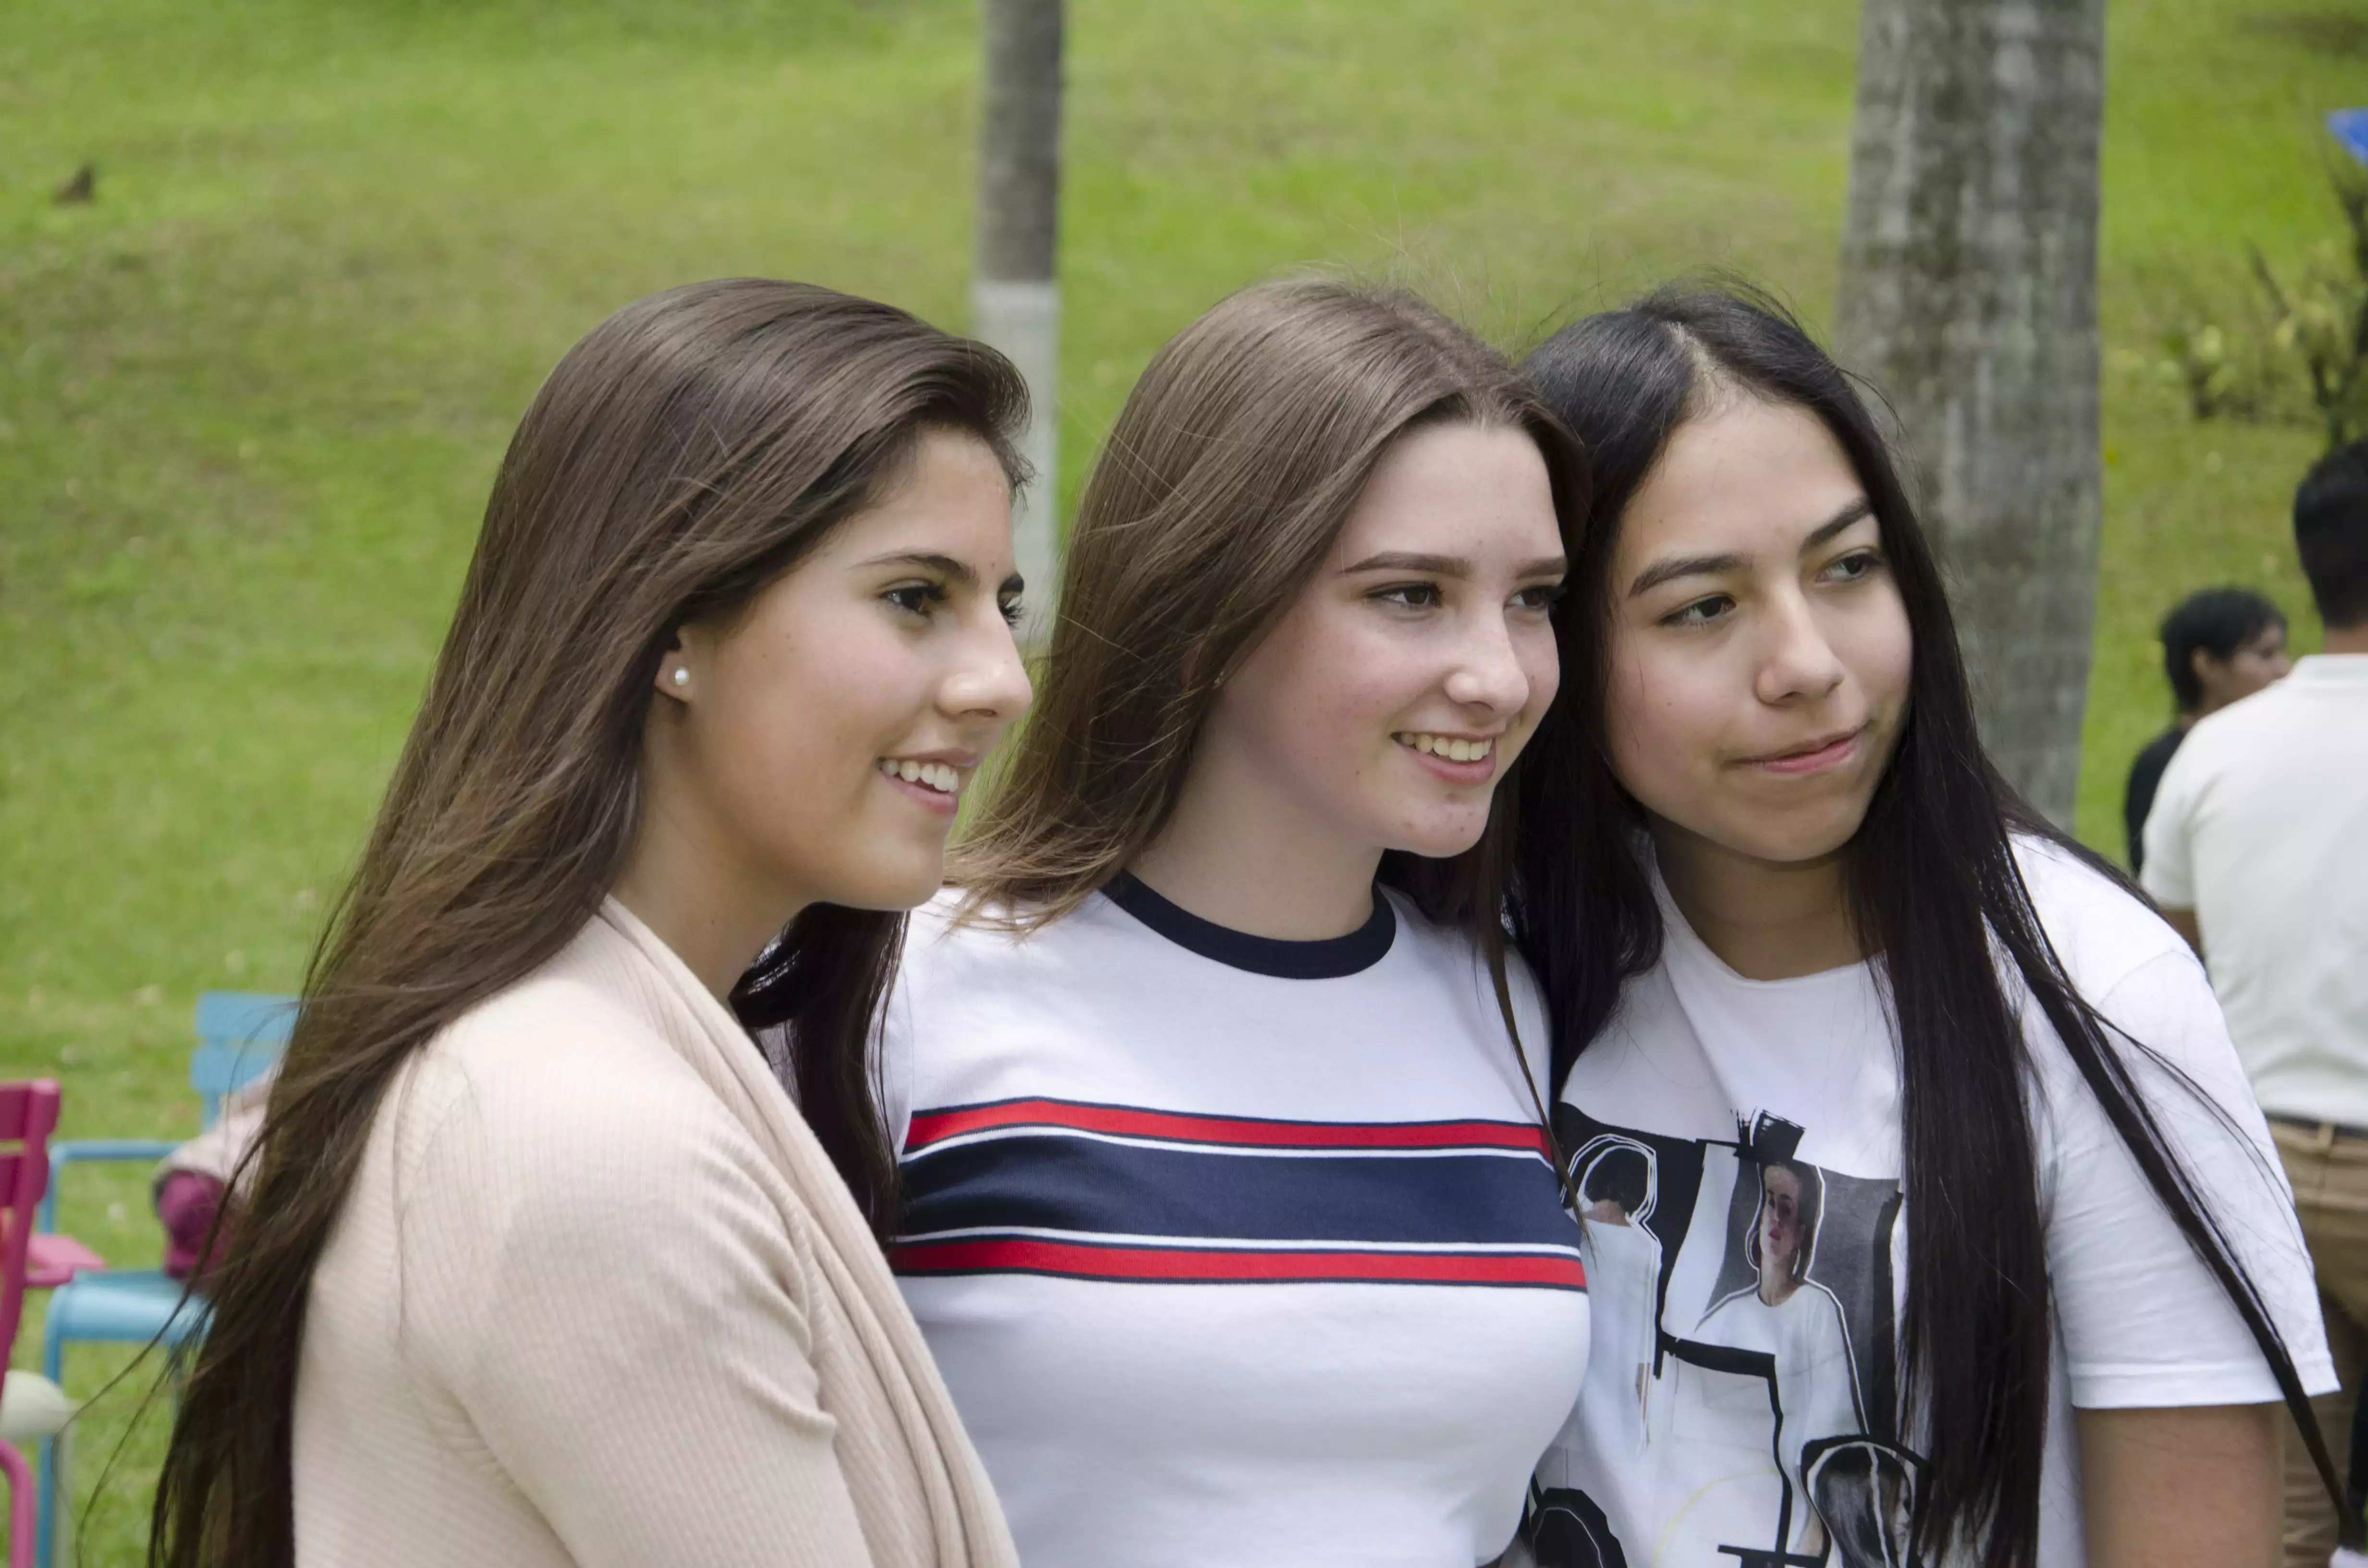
(1799, 662)
(1488, 673)
(988, 680)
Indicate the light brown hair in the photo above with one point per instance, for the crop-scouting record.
(1232, 469)
(691, 449)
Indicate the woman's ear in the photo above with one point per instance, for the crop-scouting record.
(676, 677)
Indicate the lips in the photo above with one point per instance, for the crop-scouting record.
(1449, 748)
(1459, 761)
(944, 778)
(1817, 756)
(933, 780)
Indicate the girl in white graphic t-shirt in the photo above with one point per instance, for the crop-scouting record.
(1228, 1205)
(1963, 1242)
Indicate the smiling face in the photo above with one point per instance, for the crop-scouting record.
(1383, 708)
(1759, 650)
(815, 745)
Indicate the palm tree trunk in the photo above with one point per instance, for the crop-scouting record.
(1969, 297)
(1015, 297)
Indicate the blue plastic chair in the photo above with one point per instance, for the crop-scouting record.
(240, 1035)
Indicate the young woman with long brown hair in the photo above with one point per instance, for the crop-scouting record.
(1228, 1208)
(1930, 1218)
(539, 1264)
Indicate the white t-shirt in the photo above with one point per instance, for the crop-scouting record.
(1737, 1146)
(1233, 1252)
(2261, 826)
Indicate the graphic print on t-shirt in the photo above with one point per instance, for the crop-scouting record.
(1740, 1291)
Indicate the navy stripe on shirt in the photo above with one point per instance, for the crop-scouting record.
(1471, 1202)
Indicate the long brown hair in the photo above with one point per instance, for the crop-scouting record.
(691, 449)
(1232, 469)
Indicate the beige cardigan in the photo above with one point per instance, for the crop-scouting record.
(598, 1297)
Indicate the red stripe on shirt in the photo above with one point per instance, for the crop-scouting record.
(1197, 1266)
(1252, 1132)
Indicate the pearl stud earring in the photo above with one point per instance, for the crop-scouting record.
(681, 678)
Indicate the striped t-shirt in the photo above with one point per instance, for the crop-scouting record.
(1232, 1250)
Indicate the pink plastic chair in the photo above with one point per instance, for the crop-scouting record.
(30, 1405)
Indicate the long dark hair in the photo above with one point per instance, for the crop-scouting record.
(691, 449)
(1933, 886)
(1231, 469)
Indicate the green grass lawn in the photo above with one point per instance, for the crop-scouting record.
(251, 398)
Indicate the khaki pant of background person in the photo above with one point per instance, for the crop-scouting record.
(2329, 1173)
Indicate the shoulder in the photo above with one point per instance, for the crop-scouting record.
(553, 1048)
(1453, 953)
(1433, 942)
(2137, 974)
(981, 957)
(553, 1172)
(551, 1096)
(1439, 972)
(935, 920)
(945, 931)
(2147, 765)
(2245, 734)
(2101, 931)
(949, 932)
(966, 976)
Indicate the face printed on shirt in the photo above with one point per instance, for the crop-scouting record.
(1786, 1207)
(1759, 650)
(1740, 1292)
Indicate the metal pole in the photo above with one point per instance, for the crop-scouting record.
(1015, 292)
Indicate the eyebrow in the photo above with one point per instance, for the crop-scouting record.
(1677, 566)
(1451, 565)
(960, 571)
(1859, 508)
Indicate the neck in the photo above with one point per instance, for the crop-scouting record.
(696, 895)
(2345, 638)
(1765, 919)
(1233, 854)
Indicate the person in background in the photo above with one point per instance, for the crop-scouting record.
(2257, 852)
(2219, 646)
(193, 1182)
